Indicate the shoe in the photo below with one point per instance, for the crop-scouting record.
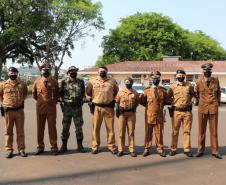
(218, 156)
(114, 151)
(54, 152)
(163, 154)
(63, 148)
(95, 151)
(22, 154)
(81, 149)
(38, 152)
(199, 154)
(146, 153)
(9, 155)
(120, 154)
(188, 154)
(172, 153)
(133, 154)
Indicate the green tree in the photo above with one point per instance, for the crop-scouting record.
(45, 30)
(150, 36)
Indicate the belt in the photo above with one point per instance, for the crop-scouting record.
(111, 104)
(184, 109)
(10, 109)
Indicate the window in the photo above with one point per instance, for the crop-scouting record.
(189, 78)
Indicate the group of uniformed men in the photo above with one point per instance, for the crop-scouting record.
(105, 94)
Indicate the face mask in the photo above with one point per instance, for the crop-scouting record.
(128, 86)
(13, 77)
(103, 74)
(180, 79)
(207, 74)
(46, 73)
(156, 81)
(73, 75)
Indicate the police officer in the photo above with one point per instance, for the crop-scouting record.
(154, 99)
(180, 96)
(127, 100)
(208, 93)
(103, 90)
(13, 92)
(72, 92)
(46, 92)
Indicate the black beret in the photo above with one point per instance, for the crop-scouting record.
(155, 74)
(13, 69)
(180, 71)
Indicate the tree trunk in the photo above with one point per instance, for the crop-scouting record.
(1, 62)
(56, 74)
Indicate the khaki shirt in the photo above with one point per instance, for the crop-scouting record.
(46, 97)
(181, 94)
(208, 96)
(12, 94)
(154, 104)
(102, 91)
(127, 98)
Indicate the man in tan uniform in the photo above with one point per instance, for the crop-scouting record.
(127, 100)
(154, 99)
(46, 93)
(180, 95)
(13, 92)
(208, 93)
(103, 90)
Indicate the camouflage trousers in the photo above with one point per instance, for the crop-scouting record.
(70, 112)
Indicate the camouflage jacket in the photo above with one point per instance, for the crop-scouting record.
(72, 92)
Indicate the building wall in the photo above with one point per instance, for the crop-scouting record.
(145, 79)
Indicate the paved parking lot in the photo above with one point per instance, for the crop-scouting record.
(75, 168)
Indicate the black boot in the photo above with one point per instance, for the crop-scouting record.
(80, 148)
(64, 146)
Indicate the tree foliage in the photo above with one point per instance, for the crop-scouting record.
(150, 36)
(45, 30)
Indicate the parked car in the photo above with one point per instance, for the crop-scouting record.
(223, 95)
(139, 88)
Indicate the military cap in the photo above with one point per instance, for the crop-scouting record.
(12, 70)
(207, 67)
(180, 71)
(129, 78)
(45, 65)
(155, 74)
(72, 68)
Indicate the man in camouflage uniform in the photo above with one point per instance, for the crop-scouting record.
(72, 92)
(208, 93)
(13, 92)
(154, 99)
(180, 96)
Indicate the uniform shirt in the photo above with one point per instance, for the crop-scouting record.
(72, 91)
(208, 96)
(154, 100)
(45, 96)
(102, 91)
(127, 98)
(181, 94)
(12, 94)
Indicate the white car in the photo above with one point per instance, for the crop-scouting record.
(139, 88)
(223, 95)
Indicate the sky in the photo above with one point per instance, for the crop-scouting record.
(206, 15)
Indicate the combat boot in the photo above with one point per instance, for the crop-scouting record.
(64, 146)
(80, 147)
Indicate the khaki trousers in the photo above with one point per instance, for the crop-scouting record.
(107, 114)
(184, 119)
(50, 116)
(158, 136)
(213, 123)
(126, 121)
(17, 118)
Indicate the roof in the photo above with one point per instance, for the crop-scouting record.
(165, 67)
